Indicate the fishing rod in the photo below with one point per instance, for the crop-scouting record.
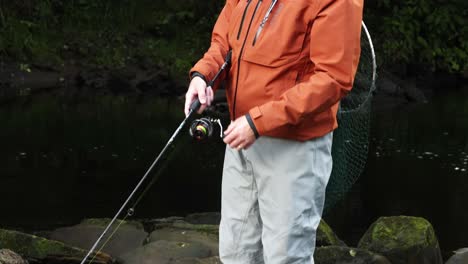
(193, 108)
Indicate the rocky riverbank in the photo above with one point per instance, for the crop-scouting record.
(76, 82)
(194, 239)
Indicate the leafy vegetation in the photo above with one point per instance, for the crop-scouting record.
(431, 34)
(107, 33)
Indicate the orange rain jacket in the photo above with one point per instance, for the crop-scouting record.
(290, 72)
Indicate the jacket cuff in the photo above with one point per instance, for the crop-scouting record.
(197, 74)
(252, 125)
(257, 120)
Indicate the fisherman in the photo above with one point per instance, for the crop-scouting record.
(292, 62)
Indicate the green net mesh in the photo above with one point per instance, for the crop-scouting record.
(351, 138)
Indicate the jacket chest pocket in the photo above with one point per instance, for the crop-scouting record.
(281, 39)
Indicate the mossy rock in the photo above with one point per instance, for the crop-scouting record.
(37, 248)
(403, 240)
(346, 255)
(326, 236)
(128, 236)
(103, 222)
(165, 252)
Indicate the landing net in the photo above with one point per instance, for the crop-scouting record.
(351, 139)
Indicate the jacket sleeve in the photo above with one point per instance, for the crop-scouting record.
(214, 57)
(334, 52)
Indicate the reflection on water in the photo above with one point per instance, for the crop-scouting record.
(64, 161)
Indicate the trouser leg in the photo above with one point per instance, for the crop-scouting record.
(291, 179)
(240, 228)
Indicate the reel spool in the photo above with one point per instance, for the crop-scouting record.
(202, 129)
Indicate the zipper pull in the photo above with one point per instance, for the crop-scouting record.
(265, 19)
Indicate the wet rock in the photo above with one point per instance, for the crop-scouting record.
(9, 257)
(209, 218)
(92, 78)
(103, 222)
(388, 86)
(209, 229)
(207, 240)
(346, 255)
(460, 257)
(211, 260)
(36, 80)
(164, 221)
(403, 240)
(394, 92)
(128, 237)
(119, 84)
(164, 252)
(159, 83)
(326, 236)
(413, 93)
(44, 250)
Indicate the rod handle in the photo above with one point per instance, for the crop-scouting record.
(195, 105)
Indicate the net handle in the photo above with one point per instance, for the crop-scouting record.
(374, 74)
(374, 62)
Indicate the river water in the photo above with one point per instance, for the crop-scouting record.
(63, 160)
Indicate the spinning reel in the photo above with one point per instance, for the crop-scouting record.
(202, 129)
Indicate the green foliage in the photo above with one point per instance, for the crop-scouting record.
(114, 33)
(109, 33)
(421, 32)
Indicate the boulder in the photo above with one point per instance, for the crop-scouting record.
(209, 229)
(38, 248)
(460, 257)
(209, 218)
(207, 234)
(211, 260)
(128, 237)
(208, 240)
(9, 257)
(403, 240)
(326, 236)
(347, 255)
(413, 94)
(165, 252)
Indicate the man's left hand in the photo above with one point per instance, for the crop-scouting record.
(239, 135)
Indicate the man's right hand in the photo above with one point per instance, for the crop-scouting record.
(198, 89)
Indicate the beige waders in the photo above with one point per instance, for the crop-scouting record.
(272, 200)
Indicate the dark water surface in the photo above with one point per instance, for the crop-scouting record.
(63, 161)
(417, 166)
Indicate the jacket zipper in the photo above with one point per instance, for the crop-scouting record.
(243, 17)
(264, 20)
(239, 60)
